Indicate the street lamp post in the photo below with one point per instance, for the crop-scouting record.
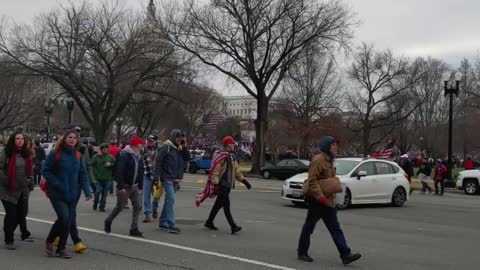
(119, 122)
(48, 112)
(450, 90)
(70, 105)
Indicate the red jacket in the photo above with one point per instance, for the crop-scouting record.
(469, 165)
(114, 150)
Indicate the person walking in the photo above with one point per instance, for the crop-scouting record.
(66, 175)
(148, 155)
(169, 168)
(129, 177)
(321, 205)
(113, 150)
(40, 156)
(223, 175)
(469, 164)
(440, 173)
(407, 166)
(102, 164)
(424, 174)
(16, 182)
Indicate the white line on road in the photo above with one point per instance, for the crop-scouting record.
(196, 250)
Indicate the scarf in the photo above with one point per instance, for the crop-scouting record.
(12, 164)
(208, 191)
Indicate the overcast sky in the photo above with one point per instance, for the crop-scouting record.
(446, 29)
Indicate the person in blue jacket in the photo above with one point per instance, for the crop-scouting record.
(66, 174)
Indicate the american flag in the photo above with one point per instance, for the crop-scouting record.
(386, 152)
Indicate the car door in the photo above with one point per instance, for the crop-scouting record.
(363, 189)
(279, 169)
(385, 179)
(292, 168)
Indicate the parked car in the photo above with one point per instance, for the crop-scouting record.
(367, 181)
(48, 147)
(200, 163)
(469, 181)
(285, 168)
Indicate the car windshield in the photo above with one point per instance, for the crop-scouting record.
(343, 167)
(305, 162)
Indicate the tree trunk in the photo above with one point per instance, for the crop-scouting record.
(260, 133)
(366, 142)
(100, 134)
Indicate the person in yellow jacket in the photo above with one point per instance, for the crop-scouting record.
(224, 174)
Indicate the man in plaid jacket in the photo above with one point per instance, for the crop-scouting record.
(148, 156)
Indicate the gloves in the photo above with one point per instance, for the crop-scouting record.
(216, 188)
(247, 184)
(322, 200)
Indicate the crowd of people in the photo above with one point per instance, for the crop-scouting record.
(145, 170)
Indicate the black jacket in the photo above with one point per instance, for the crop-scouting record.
(125, 170)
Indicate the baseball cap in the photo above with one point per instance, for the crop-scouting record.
(229, 140)
(137, 141)
(152, 138)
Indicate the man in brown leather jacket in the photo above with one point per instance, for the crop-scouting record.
(321, 204)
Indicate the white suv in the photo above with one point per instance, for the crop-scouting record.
(368, 181)
(469, 181)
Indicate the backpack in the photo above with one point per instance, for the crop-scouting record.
(43, 183)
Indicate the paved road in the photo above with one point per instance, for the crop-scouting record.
(428, 233)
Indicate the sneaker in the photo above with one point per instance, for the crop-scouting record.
(56, 241)
(102, 210)
(10, 246)
(79, 247)
(147, 220)
(174, 230)
(210, 226)
(164, 228)
(107, 226)
(155, 214)
(94, 208)
(28, 238)
(126, 207)
(305, 258)
(136, 233)
(350, 258)
(236, 229)
(63, 254)
(49, 249)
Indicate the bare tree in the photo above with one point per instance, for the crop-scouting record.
(100, 55)
(198, 104)
(311, 92)
(255, 42)
(16, 99)
(383, 98)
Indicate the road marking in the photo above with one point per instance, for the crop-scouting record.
(253, 185)
(154, 242)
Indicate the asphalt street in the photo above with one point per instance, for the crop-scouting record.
(429, 232)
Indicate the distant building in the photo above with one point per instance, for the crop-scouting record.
(244, 107)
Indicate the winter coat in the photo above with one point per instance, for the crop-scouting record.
(66, 177)
(170, 162)
(407, 166)
(83, 149)
(129, 169)
(424, 173)
(101, 172)
(39, 155)
(321, 168)
(220, 175)
(21, 179)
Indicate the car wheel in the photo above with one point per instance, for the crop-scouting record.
(399, 197)
(470, 187)
(299, 204)
(347, 202)
(266, 175)
(193, 168)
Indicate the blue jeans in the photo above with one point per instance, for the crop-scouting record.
(316, 211)
(167, 218)
(101, 193)
(65, 213)
(73, 224)
(147, 198)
